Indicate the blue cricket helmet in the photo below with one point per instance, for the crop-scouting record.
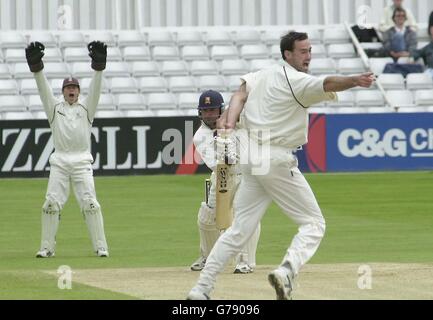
(210, 99)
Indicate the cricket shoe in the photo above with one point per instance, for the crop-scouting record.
(243, 268)
(198, 265)
(196, 294)
(44, 253)
(102, 252)
(282, 283)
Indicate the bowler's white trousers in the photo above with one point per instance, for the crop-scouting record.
(284, 184)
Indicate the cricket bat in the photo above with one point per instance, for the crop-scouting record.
(225, 181)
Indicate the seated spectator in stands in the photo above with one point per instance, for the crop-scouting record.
(387, 20)
(399, 40)
(426, 54)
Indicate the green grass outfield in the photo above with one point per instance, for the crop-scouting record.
(151, 222)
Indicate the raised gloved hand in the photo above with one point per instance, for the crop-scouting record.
(34, 54)
(98, 53)
(226, 150)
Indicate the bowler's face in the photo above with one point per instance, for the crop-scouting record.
(71, 93)
(300, 57)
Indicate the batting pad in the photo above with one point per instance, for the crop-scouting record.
(95, 224)
(207, 228)
(50, 224)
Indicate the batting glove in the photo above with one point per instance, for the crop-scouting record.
(226, 150)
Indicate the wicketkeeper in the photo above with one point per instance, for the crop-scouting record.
(71, 121)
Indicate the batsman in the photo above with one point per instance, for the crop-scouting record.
(70, 121)
(219, 155)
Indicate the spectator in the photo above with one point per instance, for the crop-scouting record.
(426, 54)
(387, 20)
(399, 40)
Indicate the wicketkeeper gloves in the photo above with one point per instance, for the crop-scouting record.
(98, 53)
(34, 54)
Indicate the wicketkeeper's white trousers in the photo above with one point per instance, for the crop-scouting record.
(284, 184)
(75, 169)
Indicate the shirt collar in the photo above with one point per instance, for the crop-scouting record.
(286, 64)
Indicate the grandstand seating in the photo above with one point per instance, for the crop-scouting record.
(218, 37)
(401, 98)
(4, 71)
(195, 52)
(204, 67)
(34, 102)
(174, 68)
(85, 83)
(182, 84)
(392, 81)
(130, 101)
(45, 37)
(136, 53)
(189, 38)
(157, 101)
(424, 97)
(188, 100)
(317, 51)
(237, 66)
(224, 52)
(123, 85)
(161, 53)
(417, 81)
(145, 68)
(166, 70)
(106, 102)
(28, 87)
(153, 84)
(161, 38)
(104, 36)
(130, 38)
(56, 85)
(368, 98)
(351, 66)
(13, 39)
(71, 39)
(247, 37)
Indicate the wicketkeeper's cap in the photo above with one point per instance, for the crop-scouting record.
(69, 82)
(211, 99)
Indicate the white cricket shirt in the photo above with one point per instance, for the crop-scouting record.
(205, 145)
(70, 124)
(276, 111)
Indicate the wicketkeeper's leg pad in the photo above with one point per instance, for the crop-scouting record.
(95, 223)
(207, 227)
(50, 224)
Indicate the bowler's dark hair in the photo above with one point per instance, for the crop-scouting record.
(288, 41)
